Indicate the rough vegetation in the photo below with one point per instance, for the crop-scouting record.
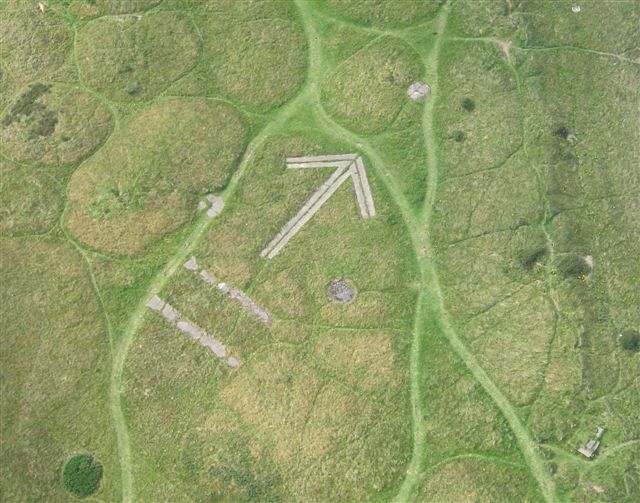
(495, 322)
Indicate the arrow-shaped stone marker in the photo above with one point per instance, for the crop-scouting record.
(347, 165)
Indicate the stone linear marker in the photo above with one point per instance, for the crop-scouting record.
(155, 303)
(347, 165)
(237, 296)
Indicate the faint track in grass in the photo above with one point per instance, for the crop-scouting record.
(430, 300)
(161, 279)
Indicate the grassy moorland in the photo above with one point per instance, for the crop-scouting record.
(482, 346)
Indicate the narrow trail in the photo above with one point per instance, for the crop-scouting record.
(160, 280)
(430, 303)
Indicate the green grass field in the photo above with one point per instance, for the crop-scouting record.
(490, 287)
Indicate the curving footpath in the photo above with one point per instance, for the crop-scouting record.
(430, 303)
(430, 293)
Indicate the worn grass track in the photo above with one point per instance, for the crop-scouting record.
(160, 280)
(430, 304)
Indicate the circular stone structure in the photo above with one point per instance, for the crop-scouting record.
(576, 8)
(418, 90)
(340, 290)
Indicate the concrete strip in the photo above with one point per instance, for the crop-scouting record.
(191, 264)
(208, 278)
(365, 187)
(306, 217)
(313, 158)
(357, 185)
(218, 349)
(238, 297)
(319, 164)
(169, 313)
(247, 304)
(329, 187)
(155, 303)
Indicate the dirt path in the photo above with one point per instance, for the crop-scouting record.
(160, 280)
(430, 299)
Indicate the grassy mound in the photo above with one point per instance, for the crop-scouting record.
(259, 63)
(82, 475)
(132, 58)
(30, 202)
(477, 95)
(368, 90)
(479, 480)
(382, 13)
(146, 182)
(53, 124)
(56, 364)
(32, 46)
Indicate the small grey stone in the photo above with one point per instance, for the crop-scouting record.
(202, 205)
(190, 330)
(232, 362)
(155, 303)
(418, 90)
(191, 264)
(341, 291)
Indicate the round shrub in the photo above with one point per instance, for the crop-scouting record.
(82, 474)
(574, 266)
(630, 340)
(468, 105)
(459, 136)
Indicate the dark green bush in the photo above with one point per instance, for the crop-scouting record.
(459, 136)
(573, 266)
(468, 104)
(529, 256)
(82, 474)
(630, 340)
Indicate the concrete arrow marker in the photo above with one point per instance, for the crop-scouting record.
(347, 166)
